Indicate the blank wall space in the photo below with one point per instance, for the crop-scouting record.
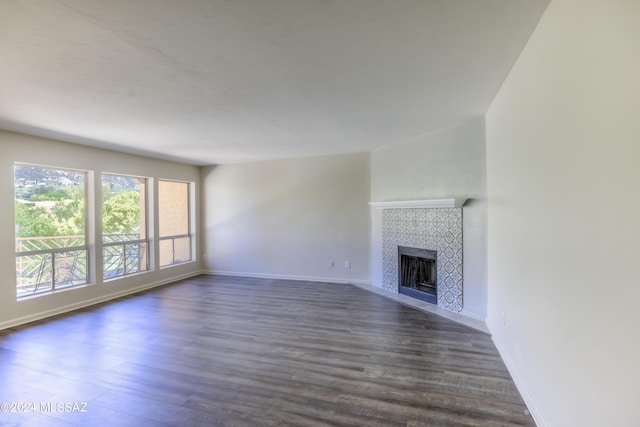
(289, 217)
(563, 230)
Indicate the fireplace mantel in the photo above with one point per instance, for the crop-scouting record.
(420, 204)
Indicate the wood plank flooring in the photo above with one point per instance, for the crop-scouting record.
(224, 351)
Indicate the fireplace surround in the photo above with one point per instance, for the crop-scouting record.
(434, 225)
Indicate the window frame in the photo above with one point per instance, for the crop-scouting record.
(189, 235)
(53, 285)
(146, 241)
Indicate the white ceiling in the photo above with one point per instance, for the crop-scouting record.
(219, 81)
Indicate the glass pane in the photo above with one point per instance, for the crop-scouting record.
(49, 217)
(127, 258)
(182, 250)
(113, 261)
(33, 274)
(173, 221)
(123, 208)
(70, 268)
(175, 251)
(166, 252)
(27, 244)
(137, 259)
(173, 208)
(49, 208)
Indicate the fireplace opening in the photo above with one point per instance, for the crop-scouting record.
(417, 273)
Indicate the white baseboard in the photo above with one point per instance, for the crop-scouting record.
(93, 301)
(288, 277)
(474, 315)
(521, 385)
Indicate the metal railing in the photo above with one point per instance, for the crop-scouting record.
(31, 244)
(49, 267)
(124, 257)
(45, 264)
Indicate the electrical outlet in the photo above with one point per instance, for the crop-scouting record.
(503, 318)
(204, 257)
(347, 264)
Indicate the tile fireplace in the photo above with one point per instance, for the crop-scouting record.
(433, 229)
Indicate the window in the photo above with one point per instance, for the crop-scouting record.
(124, 226)
(56, 233)
(173, 221)
(50, 223)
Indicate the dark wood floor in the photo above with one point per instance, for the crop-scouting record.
(251, 352)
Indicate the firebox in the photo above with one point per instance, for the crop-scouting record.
(417, 273)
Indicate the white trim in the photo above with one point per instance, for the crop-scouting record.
(535, 411)
(289, 277)
(93, 301)
(473, 315)
(420, 204)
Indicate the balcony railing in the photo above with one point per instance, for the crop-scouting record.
(124, 254)
(49, 263)
(33, 244)
(44, 264)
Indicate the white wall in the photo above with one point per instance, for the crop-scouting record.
(289, 218)
(27, 149)
(442, 164)
(563, 149)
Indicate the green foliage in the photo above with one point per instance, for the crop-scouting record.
(121, 212)
(33, 222)
(63, 217)
(69, 215)
(49, 195)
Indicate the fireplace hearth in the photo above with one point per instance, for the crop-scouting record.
(418, 273)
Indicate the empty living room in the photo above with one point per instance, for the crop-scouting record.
(319, 213)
